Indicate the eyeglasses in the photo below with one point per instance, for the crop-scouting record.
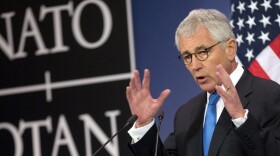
(200, 55)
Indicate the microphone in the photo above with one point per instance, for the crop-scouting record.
(130, 121)
(160, 118)
(161, 115)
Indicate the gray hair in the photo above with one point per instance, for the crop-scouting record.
(214, 21)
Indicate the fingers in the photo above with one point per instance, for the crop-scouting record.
(134, 84)
(137, 80)
(164, 94)
(146, 80)
(226, 85)
(229, 94)
(128, 94)
(134, 80)
(224, 94)
(224, 77)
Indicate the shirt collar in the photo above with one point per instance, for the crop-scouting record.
(236, 74)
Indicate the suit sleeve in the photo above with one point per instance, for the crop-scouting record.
(146, 145)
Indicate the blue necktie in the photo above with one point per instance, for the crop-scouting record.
(210, 122)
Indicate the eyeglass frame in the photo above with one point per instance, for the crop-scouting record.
(207, 50)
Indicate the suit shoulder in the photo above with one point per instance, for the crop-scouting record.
(265, 85)
(192, 103)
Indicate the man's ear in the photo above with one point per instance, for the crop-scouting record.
(231, 48)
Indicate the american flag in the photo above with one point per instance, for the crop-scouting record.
(256, 25)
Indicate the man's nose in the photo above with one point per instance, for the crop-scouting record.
(196, 64)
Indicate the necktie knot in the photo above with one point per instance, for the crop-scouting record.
(214, 97)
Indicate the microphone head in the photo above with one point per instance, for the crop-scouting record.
(132, 119)
(161, 115)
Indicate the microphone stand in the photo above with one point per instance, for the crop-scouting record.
(130, 121)
(160, 117)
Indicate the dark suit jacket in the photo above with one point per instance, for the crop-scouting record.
(258, 136)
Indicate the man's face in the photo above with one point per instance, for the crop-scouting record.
(204, 72)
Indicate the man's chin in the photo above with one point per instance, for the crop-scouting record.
(209, 89)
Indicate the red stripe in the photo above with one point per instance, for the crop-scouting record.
(257, 70)
(275, 46)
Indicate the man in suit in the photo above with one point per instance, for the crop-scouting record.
(242, 120)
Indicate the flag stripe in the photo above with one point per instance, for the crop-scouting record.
(275, 46)
(274, 74)
(257, 70)
(269, 62)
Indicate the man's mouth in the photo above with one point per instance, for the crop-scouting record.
(201, 79)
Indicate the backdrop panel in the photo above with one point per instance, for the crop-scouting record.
(64, 68)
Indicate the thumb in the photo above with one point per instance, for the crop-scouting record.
(163, 95)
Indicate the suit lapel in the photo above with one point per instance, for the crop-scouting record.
(244, 87)
(225, 124)
(221, 130)
(193, 136)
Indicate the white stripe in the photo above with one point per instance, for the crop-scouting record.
(63, 84)
(48, 86)
(130, 35)
(270, 63)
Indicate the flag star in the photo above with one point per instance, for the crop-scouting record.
(239, 39)
(253, 6)
(278, 3)
(264, 37)
(240, 23)
(241, 7)
(278, 20)
(249, 54)
(250, 21)
(232, 8)
(231, 23)
(265, 20)
(266, 4)
(250, 38)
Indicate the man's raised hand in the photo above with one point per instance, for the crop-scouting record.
(140, 100)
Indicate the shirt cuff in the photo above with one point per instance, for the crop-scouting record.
(137, 133)
(239, 121)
